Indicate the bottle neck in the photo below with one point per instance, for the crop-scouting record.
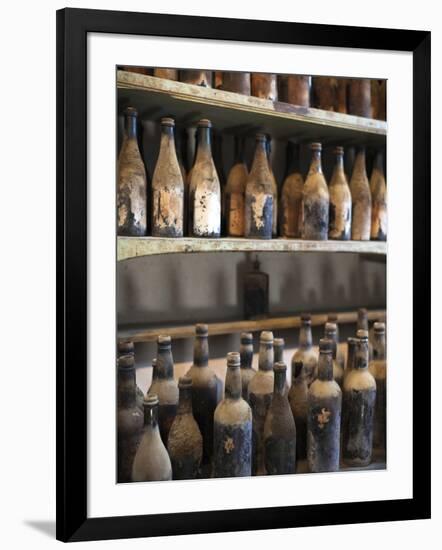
(362, 320)
(201, 351)
(260, 158)
(164, 365)
(297, 372)
(316, 164)
(151, 416)
(279, 383)
(278, 352)
(239, 150)
(246, 354)
(379, 346)
(126, 387)
(360, 162)
(305, 336)
(378, 163)
(204, 149)
(351, 355)
(339, 163)
(331, 335)
(233, 383)
(131, 127)
(167, 139)
(325, 366)
(292, 158)
(361, 359)
(266, 356)
(185, 400)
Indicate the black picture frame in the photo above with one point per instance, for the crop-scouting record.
(73, 25)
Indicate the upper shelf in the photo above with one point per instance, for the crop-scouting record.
(133, 247)
(231, 112)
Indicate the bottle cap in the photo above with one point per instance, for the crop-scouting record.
(233, 359)
(246, 338)
(164, 340)
(167, 121)
(266, 337)
(362, 334)
(325, 345)
(279, 342)
(379, 327)
(280, 367)
(126, 347)
(130, 111)
(330, 328)
(150, 400)
(204, 123)
(316, 146)
(185, 382)
(126, 361)
(201, 329)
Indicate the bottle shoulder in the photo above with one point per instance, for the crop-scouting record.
(262, 382)
(233, 411)
(166, 390)
(320, 389)
(359, 380)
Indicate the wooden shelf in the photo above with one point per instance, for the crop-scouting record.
(231, 112)
(140, 334)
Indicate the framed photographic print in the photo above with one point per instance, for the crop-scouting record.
(224, 297)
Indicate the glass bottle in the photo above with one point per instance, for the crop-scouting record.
(298, 399)
(305, 352)
(361, 199)
(340, 201)
(152, 462)
(264, 85)
(362, 324)
(235, 192)
(198, 77)
(359, 97)
(333, 318)
(236, 82)
(378, 369)
(128, 360)
(274, 186)
(246, 355)
(167, 187)
(256, 293)
(232, 431)
(351, 354)
(324, 91)
(330, 333)
(297, 90)
(185, 442)
(324, 415)
(315, 200)
(204, 190)
(378, 191)
(132, 182)
(291, 196)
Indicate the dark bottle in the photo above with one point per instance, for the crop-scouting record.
(205, 189)
(378, 191)
(185, 443)
(260, 398)
(236, 82)
(232, 427)
(169, 74)
(324, 415)
(359, 97)
(259, 208)
(333, 318)
(198, 77)
(235, 192)
(128, 360)
(362, 324)
(152, 462)
(274, 187)
(279, 428)
(295, 89)
(278, 350)
(324, 93)
(305, 352)
(129, 419)
(340, 201)
(378, 369)
(361, 200)
(358, 408)
(256, 293)
(351, 354)
(330, 333)
(315, 200)
(298, 399)
(167, 187)
(264, 85)
(164, 386)
(291, 196)
(132, 182)
(246, 355)
(205, 394)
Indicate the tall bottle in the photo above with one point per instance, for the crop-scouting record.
(264, 85)
(305, 352)
(152, 462)
(128, 360)
(197, 77)
(235, 192)
(351, 355)
(361, 200)
(324, 415)
(340, 201)
(204, 389)
(358, 407)
(205, 190)
(246, 356)
(359, 97)
(378, 369)
(129, 419)
(330, 333)
(298, 399)
(378, 191)
(259, 208)
(167, 187)
(185, 442)
(132, 182)
(291, 196)
(274, 186)
(236, 82)
(256, 293)
(232, 431)
(260, 397)
(164, 386)
(279, 428)
(315, 200)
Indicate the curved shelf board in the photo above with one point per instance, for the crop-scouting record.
(135, 247)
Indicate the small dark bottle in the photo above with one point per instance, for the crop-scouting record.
(330, 333)
(246, 355)
(197, 77)
(164, 386)
(232, 429)
(129, 419)
(298, 399)
(324, 415)
(378, 369)
(126, 354)
(358, 407)
(378, 191)
(185, 443)
(152, 462)
(279, 428)
(316, 200)
(256, 293)
(305, 352)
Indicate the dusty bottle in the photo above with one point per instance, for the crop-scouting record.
(274, 186)
(204, 190)
(361, 200)
(152, 462)
(169, 74)
(351, 354)
(164, 386)
(278, 356)
(291, 196)
(362, 324)
(324, 93)
(185, 443)
(315, 200)
(232, 427)
(378, 191)
(260, 398)
(264, 85)
(198, 77)
(330, 333)
(298, 399)
(256, 293)
(132, 182)
(297, 90)
(359, 97)
(358, 408)
(341, 95)
(236, 82)
(167, 187)
(129, 419)
(305, 352)
(324, 415)
(279, 428)
(378, 369)
(235, 192)
(128, 360)
(205, 394)
(259, 207)
(340, 201)
(246, 356)
(333, 318)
